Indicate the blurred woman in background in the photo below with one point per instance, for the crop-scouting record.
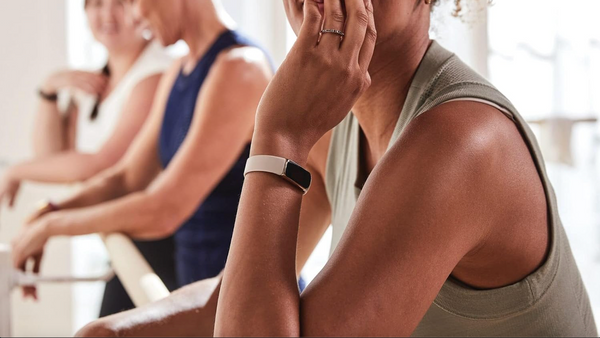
(105, 111)
(184, 172)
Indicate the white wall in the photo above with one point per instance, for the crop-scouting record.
(466, 36)
(263, 20)
(33, 37)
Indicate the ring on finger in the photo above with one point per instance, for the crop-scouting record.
(333, 31)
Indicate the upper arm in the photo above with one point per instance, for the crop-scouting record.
(133, 116)
(140, 164)
(412, 225)
(220, 129)
(70, 126)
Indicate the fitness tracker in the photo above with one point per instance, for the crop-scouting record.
(289, 170)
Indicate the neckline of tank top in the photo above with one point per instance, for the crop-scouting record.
(214, 47)
(416, 83)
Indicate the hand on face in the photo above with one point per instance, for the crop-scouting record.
(320, 81)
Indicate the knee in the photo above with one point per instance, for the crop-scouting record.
(99, 328)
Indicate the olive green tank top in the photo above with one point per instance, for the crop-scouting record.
(552, 301)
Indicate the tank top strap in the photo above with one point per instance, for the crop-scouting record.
(443, 77)
(225, 40)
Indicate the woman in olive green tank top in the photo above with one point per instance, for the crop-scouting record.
(445, 223)
(444, 220)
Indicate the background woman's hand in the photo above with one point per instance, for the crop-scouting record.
(29, 246)
(319, 81)
(89, 82)
(9, 187)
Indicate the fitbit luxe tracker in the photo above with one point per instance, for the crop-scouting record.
(289, 170)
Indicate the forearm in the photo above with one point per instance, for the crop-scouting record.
(138, 215)
(49, 132)
(106, 186)
(187, 312)
(260, 294)
(68, 167)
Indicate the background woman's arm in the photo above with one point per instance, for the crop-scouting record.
(73, 166)
(190, 311)
(52, 127)
(220, 130)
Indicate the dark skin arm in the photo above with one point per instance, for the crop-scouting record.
(430, 207)
(190, 311)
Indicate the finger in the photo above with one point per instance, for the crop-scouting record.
(18, 262)
(88, 88)
(30, 292)
(98, 82)
(311, 26)
(37, 263)
(368, 47)
(11, 202)
(334, 19)
(356, 28)
(13, 197)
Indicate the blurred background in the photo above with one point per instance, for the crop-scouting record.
(544, 55)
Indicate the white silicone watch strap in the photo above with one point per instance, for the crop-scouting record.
(264, 163)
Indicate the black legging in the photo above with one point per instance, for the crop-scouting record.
(160, 255)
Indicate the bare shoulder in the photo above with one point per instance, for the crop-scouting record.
(169, 76)
(465, 129)
(146, 87)
(245, 65)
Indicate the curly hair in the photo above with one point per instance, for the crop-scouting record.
(459, 6)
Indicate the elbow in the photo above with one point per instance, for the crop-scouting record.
(96, 165)
(167, 227)
(161, 219)
(99, 328)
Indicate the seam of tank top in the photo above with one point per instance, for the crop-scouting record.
(507, 314)
(477, 100)
(448, 90)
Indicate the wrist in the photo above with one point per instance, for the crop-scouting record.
(51, 225)
(48, 89)
(289, 147)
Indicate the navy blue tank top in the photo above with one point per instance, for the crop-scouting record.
(202, 242)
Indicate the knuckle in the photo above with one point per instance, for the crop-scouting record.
(337, 16)
(372, 34)
(362, 16)
(312, 19)
(354, 77)
(367, 82)
(369, 6)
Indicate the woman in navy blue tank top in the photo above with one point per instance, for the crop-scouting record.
(184, 173)
(202, 242)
